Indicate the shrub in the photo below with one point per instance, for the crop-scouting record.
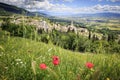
(19, 30)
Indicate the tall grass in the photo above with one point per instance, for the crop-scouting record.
(20, 59)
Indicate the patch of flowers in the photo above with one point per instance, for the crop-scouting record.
(55, 61)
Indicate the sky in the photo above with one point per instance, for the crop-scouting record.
(54, 7)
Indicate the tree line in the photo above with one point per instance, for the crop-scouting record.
(67, 40)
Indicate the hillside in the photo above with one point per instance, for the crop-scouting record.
(37, 46)
(5, 8)
(21, 58)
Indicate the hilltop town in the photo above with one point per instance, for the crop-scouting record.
(40, 23)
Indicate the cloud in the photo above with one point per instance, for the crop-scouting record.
(111, 0)
(114, 0)
(93, 9)
(106, 8)
(38, 5)
(47, 6)
(68, 0)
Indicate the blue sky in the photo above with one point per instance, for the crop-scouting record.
(54, 7)
(81, 3)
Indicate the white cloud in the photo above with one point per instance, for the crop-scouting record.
(93, 9)
(68, 0)
(111, 0)
(99, 0)
(114, 0)
(106, 8)
(45, 5)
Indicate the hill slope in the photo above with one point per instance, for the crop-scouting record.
(6, 9)
(20, 59)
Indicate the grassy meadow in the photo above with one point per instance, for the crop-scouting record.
(37, 46)
(20, 59)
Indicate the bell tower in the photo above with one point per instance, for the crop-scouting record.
(71, 23)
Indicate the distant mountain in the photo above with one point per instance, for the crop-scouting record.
(41, 14)
(6, 9)
(105, 15)
(108, 15)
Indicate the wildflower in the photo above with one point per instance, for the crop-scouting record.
(17, 63)
(18, 60)
(89, 65)
(21, 62)
(108, 79)
(43, 66)
(49, 49)
(56, 60)
(6, 67)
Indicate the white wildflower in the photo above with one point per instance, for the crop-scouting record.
(49, 49)
(21, 62)
(18, 60)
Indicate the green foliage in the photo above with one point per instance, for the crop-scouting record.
(4, 13)
(19, 29)
(17, 55)
(68, 40)
(44, 38)
(112, 37)
(79, 43)
(114, 47)
(63, 22)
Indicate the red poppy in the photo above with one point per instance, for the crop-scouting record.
(43, 66)
(89, 65)
(56, 60)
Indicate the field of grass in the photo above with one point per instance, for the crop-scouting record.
(20, 59)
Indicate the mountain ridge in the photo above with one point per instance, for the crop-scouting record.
(6, 9)
(12, 9)
(108, 14)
